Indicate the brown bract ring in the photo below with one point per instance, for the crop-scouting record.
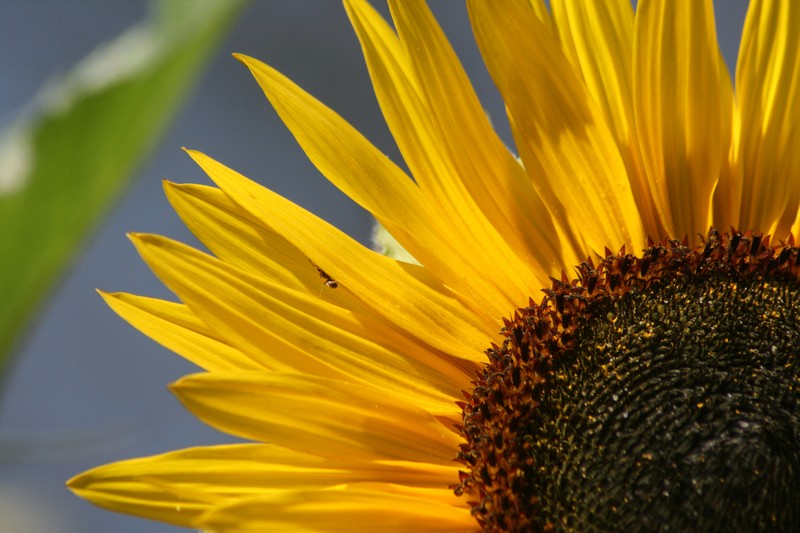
(514, 470)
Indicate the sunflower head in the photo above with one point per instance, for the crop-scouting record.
(660, 391)
(654, 389)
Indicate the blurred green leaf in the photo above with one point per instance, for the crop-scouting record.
(65, 161)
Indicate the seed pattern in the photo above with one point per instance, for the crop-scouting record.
(624, 398)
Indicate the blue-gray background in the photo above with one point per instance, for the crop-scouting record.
(87, 388)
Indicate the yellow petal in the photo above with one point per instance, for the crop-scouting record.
(286, 330)
(600, 35)
(154, 488)
(450, 147)
(542, 12)
(367, 176)
(214, 218)
(561, 134)
(331, 418)
(768, 93)
(177, 487)
(369, 508)
(402, 294)
(727, 196)
(176, 328)
(682, 100)
(227, 304)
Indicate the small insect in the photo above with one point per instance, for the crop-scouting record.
(329, 281)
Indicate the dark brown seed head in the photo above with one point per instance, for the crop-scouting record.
(652, 393)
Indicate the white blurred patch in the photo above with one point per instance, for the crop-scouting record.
(384, 243)
(122, 58)
(16, 159)
(23, 511)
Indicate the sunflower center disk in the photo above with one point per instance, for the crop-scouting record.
(659, 393)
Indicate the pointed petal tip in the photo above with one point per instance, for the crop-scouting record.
(78, 483)
(171, 187)
(141, 240)
(108, 296)
(194, 154)
(173, 388)
(184, 382)
(248, 61)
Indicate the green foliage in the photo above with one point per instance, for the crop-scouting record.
(63, 164)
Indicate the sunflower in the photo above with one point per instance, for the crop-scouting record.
(653, 387)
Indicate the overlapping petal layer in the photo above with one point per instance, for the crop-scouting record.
(183, 487)
(626, 126)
